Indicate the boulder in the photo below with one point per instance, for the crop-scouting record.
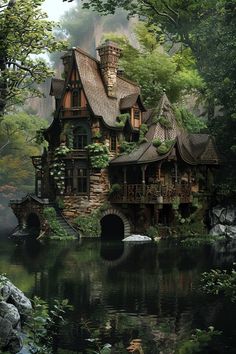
(230, 216)
(15, 296)
(231, 231)
(218, 230)
(137, 238)
(9, 312)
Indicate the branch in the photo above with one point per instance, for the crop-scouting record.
(25, 68)
(170, 8)
(162, 14)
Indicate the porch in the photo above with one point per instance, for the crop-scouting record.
(152, 193)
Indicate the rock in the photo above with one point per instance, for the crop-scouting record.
(5, 332)
(137, 238)
(5, 292)
(17, 297)
(230, 216)
(218, 230)
(9, 312)
(217, 215)
(15, 343)
(231, 231)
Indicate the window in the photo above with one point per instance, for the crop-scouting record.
(69, 181)
(113, 142)
(136, 113)
(76, 99)
(80, 138)
(82, 180)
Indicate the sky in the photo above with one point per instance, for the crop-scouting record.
(55, 8)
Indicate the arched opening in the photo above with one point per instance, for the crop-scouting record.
(112, 228)
(33, 225)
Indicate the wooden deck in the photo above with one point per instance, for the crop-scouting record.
(152, 194)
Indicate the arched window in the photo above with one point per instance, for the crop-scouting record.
(80, 136)
(76, 98)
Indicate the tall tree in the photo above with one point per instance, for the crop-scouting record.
(25, 33)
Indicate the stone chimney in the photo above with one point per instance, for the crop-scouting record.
(109, 53)
(66, 60)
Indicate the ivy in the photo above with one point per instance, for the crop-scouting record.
(57, 170)
(156, 142)
(99, 155)
(122, 119)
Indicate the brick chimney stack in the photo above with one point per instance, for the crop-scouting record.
(109, 53)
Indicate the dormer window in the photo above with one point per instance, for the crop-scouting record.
(136, 115)
(75, 98)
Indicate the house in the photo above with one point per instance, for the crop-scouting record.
(105, 146)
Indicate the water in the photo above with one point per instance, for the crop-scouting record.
(148, 291)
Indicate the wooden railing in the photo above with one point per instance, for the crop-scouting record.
(74, 112)
(152, 194)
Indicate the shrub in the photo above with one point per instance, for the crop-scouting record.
(99, 155)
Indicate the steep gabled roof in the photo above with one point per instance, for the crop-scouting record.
(130, 101)
(194, 149)
(158, 130)
(91, 79)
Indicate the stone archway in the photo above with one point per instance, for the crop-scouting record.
(113, 221)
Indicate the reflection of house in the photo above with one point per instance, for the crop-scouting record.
(152, 161)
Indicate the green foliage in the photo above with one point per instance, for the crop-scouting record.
(152, 231)
(220, 282)
(142, 132)
(165, 146)
(188, 120)
(60, 202)
(122, 119)
(17, 144)
(165, 123)
(198, 241)
(116, 187)
(59, 233)
(176, 203)
(199, 342)
(57, 169)
(156, 142)
(127, 146)
(154, 69)
(44, 325)
(25, 34)
(99, 155)
(89, 225)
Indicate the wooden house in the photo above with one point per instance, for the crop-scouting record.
(104, 146)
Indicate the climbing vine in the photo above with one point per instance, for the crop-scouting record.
(165, 146)
(98, 155)
(57, 170)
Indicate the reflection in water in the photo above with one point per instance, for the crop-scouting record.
(143, 291)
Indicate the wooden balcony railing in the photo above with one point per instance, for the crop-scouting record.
(152, 194)
(74, 112)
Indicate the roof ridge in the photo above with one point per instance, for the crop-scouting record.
(78, 49)
(128, 80)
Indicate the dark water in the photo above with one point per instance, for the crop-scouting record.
(147, 291)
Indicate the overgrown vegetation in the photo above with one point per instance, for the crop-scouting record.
(165, 146)
(220, 282)
(122, 119)
(44, 324)
(98, 155)
(57, 169)
(54, 225)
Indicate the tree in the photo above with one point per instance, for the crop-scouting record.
(154, 69)
(25, 33)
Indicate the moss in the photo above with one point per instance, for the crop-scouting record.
(156, 142)
(126, 147)
(165, 123)
(165, 147)
(142, 132)
(122, 119)
(59, 233)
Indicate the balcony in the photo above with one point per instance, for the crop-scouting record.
(77, 112)
(152, 194)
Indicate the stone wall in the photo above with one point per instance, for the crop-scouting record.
(98, 195)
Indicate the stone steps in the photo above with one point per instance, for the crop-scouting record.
(64, 224)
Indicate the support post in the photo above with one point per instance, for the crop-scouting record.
(143, 168)
(125, 182)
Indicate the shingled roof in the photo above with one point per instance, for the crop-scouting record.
(91, 79)
(194, 149)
